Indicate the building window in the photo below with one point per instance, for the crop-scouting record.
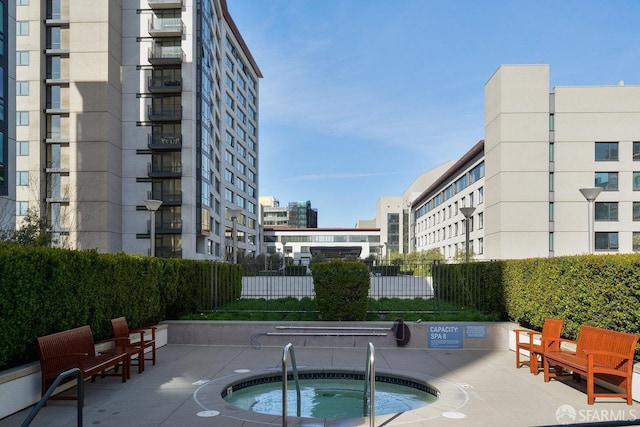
(22, 178)
(22, 118)
(22, 3)
(551, 242)
(550, 211)
(607, 241)
(606, 151)
(636, 150)
(636, 241)
(606, 211)
(480, 220)
(53, 67)
(22, 57)
(22, 148)
(480, 246)
(22, 28)
(607, 180)
(636, 211)
(22, 208)
(550, 181)
(636, 181)
(22, 88)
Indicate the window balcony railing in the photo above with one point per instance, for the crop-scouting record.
(167, 197)
(162, 170)
(159, 142)
(165, 4)
(165, 27)
(166, 227)
(159, 55)
(164, 113)
(164, 84)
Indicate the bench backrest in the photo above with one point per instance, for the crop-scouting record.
(592, 338)
(550, 330)
(120, 327)
(52, 347)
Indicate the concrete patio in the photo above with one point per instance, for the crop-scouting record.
(479, 387)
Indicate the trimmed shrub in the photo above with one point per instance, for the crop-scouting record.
(342, 289)
(45, 290)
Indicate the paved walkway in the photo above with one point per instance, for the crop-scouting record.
(478, 388)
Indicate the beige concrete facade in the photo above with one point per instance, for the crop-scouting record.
(540, 147)
(119, 109)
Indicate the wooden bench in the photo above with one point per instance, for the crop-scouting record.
(599, 353)
(534, 342)
(137, 346)
(75, 348)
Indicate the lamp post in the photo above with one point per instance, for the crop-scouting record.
(234, 214)
(152, 207)
(591, 194)
(467, 212)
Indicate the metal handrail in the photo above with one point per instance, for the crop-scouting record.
(288, 349)
(370, 384)
(80, 395)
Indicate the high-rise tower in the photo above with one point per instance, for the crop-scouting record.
(144, 99)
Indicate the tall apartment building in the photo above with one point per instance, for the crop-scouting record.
(540, 148)
(131, 101)
(7, 115)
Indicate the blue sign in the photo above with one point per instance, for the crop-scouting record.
(476, 331)
(445, 336)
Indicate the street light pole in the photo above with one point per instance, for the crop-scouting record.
(591, 194)
(467, 212)
(152, 207)
(234, 214)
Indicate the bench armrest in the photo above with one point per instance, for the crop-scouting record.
(143, 331)
(531, 334)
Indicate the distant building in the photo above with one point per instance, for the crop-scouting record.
(328, 243)
(302, 215)
(295, 215)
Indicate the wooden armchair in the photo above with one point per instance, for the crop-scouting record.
(136, 346)
(550, 334)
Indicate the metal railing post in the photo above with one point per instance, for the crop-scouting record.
(50, 390)
(288, 349)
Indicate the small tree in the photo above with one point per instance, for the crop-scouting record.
(32, 231)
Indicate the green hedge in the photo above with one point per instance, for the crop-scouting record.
(342, 289)
(45, 290)
(598, 290)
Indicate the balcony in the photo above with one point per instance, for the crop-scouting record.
(169, 198)
(164, 55)
(165, 27)
(159, 142)
(52, 198)
(164, 171)
(166, 227)
(164, 85)
(165, 113)
(165, 4)
(56, 167)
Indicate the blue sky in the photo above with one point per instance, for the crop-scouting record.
(360, 97)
